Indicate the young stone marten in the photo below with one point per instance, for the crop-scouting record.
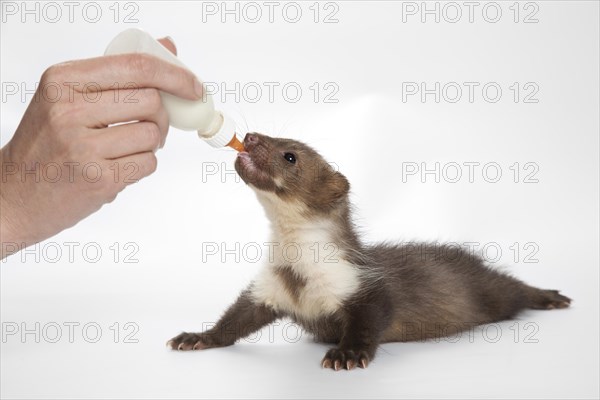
(363, 295)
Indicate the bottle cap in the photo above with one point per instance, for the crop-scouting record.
(223, 135)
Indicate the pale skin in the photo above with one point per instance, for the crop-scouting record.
(82, 161)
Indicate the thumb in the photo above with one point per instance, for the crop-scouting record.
(168, 42)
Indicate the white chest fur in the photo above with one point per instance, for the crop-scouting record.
(327, 280)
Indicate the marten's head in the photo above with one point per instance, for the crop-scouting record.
(291, 176)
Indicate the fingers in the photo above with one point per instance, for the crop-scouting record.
(116, 106)
(116, 71)
(134, 167)
(128, 139)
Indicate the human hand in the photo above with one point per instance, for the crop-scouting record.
(65, 159)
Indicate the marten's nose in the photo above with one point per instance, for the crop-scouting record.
(250, 140)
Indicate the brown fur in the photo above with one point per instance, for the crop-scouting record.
(407, 292)
(292, 282)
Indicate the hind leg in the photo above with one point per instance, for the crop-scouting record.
(548, 300)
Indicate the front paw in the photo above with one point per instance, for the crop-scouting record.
(347, 359)
(189, 341)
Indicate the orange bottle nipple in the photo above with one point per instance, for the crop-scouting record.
(236, 144)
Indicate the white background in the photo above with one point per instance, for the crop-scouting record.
(369, 133)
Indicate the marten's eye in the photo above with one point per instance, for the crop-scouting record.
(290, 157)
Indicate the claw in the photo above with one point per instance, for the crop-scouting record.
(337, 365)
(199, 346)
(564, 304)
(345, 359)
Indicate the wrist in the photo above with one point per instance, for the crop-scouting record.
(9, 239)
(12, 237)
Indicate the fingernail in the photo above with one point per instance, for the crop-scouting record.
(170, 39)
(198, 88)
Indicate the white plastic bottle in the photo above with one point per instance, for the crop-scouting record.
(200, 115)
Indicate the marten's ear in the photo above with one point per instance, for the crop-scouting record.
(331, 187)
